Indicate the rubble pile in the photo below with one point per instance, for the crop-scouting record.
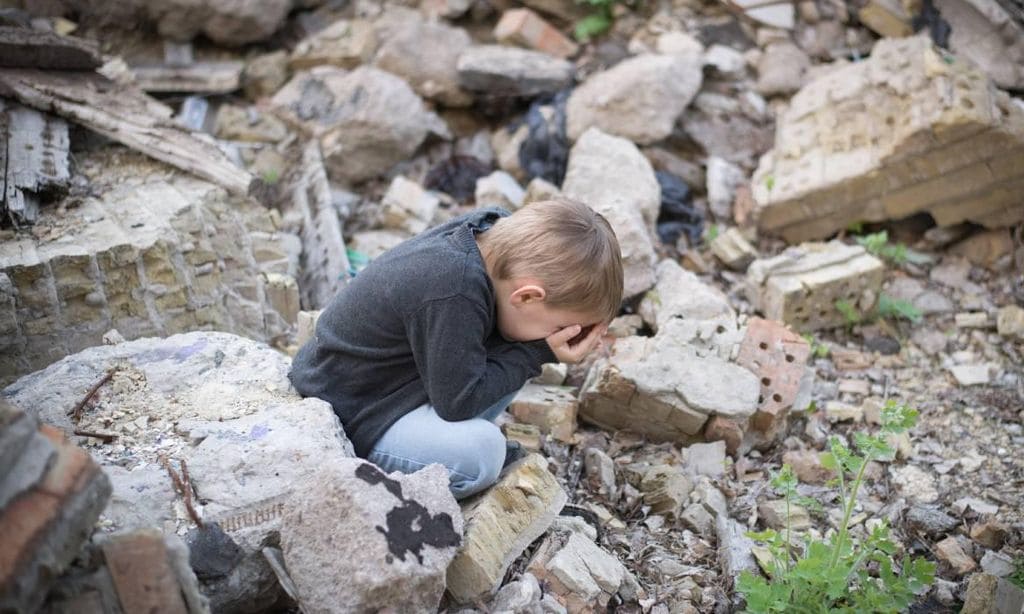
(817, 208)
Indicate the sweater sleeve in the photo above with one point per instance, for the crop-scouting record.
(461, 376)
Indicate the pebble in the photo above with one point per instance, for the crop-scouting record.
(915, 483)
(981, 507)
(970, 375)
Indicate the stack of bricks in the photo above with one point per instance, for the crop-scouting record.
(156, 253)
(911, 129)
(51, 494)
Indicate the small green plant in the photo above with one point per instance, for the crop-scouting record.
(838, 573)
(889, 307)
(271, 176)
(1017, 577)
(597, 22)
(848, 311)
(769, 182)
(878, 244)
(818, 350)
(712, 233)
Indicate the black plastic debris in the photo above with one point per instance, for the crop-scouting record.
(930, 18)
(212, 552)
(545, 152)
(456, 176)
(677, 216)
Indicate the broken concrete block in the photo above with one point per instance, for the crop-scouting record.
(366, 120)
(802, 285)
(580, 574)
(888, 18)
(373, 243)
(774, 515)
(666, 489)
(499, 189)
(265, 74)
(552, 409)
(426, 53)
(777, 356)
(407, 206)
(500, 524)
(526, 28)
(43, 528)
(142, 573)
(733, 249)
(665, 389)
(599, 469)
(152, 253)
(987, 33)
(987, 594)
(899, 150)
(552, 374)
(389, 547)
(528, 435)
(680, 295)
(344, 43)
(706, 459)
(498, 70)
(1010, 321)
(612, 176)
(608, 100)
(245, 445)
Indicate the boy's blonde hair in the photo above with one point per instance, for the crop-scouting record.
(567, 246)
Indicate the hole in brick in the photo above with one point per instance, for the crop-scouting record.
(760, 399)
(763, 345)
(789, 358)
(777, 397)
(720, 329)
(967, 104)
(767, 381)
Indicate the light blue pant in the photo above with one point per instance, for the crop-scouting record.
(472, 450)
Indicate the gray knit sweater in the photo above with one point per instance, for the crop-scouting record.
(417, 325)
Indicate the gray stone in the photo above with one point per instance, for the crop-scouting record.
(498, 70)
(499, 189)
(616, 180)
(681, 295)
(17, 431)
(425, 53)
(723, 177)
(930, 520)
(987, 594)
(1010, 321)
(600, 471)
(735, 549)
(985, 32)
(706, 459)
(367, 120)
(915, 484)
(971, 375)
(29, 468)
(638, 99)
(373, 243)
(775, 516)
(697, 518)
(930, 340)
(781, 69)
(356, 539)
(726, 61)
(522, 595)
(997, 564)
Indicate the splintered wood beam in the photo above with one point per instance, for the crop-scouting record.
(33, 160)
(128, 116)
(31, 48)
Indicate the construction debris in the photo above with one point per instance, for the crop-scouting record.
(957, 156)
(33, 162)
(31, 48)
(201, 78)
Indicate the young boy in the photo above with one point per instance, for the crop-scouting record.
(430, 342)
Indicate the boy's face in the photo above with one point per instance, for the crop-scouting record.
(523, 316)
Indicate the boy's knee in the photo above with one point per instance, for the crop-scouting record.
(482, 457)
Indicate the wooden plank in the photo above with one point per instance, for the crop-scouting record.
(324, 259)
(128, 116)
(34, 159)
(30, 48)
(142, 574)
(204, 77)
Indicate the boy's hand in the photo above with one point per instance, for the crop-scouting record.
(572, 343)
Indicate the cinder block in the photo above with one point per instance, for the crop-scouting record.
(802, 286)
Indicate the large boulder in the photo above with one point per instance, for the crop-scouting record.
(358, 540)
(612, 176)
(366, 120)
(638, 99)
(215, 404)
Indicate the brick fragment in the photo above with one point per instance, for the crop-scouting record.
(526, 28)
(777, 356)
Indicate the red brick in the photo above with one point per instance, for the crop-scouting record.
(724, 429)
(524, 27)
(778, 357)
(142, 573)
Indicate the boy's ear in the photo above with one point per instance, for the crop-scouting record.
(528, 293)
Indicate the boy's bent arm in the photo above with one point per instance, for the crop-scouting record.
(461, 377)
